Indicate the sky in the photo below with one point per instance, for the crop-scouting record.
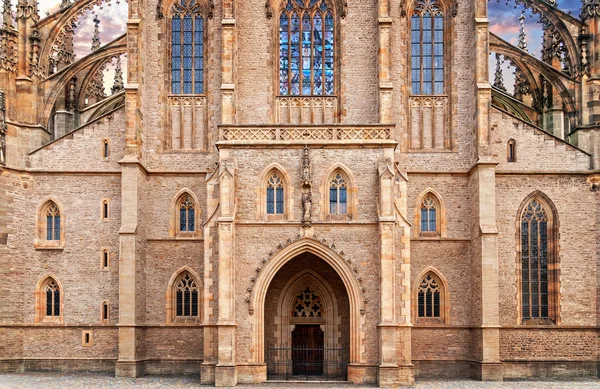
(503, 15)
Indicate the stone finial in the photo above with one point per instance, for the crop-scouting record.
(118, 84)
(522, 35)
(28, 9)
(65, 4)
(96, 37)
(498, 76)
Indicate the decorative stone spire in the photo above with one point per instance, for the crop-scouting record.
(522, 36)
(7, 20)
(118, 85)
(521, 85)
(96, 38)
(498, 76)
(28, 9)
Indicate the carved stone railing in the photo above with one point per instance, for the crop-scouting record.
(307, 109)
(340, 133)
(187, 122)
(429, 122)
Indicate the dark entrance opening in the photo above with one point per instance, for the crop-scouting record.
(307, 350)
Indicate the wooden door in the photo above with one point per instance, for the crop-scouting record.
(307, 350)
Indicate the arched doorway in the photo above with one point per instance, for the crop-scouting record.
(306, 322)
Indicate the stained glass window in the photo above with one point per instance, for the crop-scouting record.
(187, 48)
(52, 222)
(187, 214)
(275, 195)
(186, 296)
(428, 215)
(534, 262)
(429, 297)
(427, 48)
(52, 299)
(306, 48)
(338, 195)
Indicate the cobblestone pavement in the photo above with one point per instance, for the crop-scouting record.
(108, 381)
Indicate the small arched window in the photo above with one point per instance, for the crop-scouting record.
(539, 269)
(427, 48)
(52, 222)
(52, 299)
(187, 214)
(511, 151)
(429, 297)
(338, 195)
(186, 296)
(429, 215)
(275, 195)
(306, 48)
(187, 48)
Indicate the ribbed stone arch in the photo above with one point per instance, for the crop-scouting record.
(333, 259)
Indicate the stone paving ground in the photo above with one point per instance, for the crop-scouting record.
(108, 381)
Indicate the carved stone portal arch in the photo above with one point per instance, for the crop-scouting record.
(351, 283)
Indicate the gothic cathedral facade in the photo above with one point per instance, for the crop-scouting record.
(284, 189)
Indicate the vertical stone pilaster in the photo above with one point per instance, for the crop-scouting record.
(226, 370)
(484, 90)
(385, 83)
(228, 76)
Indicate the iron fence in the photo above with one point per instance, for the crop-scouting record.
(327, 363)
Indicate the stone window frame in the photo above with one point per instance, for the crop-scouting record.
(444, 318)
(40, 301)
(171, 298)
(105, 319)
(174, 230)
(105, 210)
(41, 241)
(105, 151)
(511, 154)
(87, 339)
(261, 192)
(105, 252)
(441, 219)
(554, 282)
(351, 193)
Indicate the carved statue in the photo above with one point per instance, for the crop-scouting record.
(306, 207)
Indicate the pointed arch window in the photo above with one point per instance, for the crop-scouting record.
(52, 222)
(429, 297)
(511, 151)
(275, 193)
(187, 214)
(52, 299)
(187, 48)
(538, 268)
(338, 195)
(429, 217)
(186, 296)
(427, 48)
(306, 48)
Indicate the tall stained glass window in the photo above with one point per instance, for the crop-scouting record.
(52, 222)
(275, 195)
(187, 48)
(428, 215)
(534, 262)
(187, 214)
(306, 48)
(427, 48)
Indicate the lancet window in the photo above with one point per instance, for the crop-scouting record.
(187, 214)
(52, 299)
(429, 215)
(429, 297)
(186, 296)
(306, 48)
(275, 191)
(427, 48)
(187, 48)
(338, 195)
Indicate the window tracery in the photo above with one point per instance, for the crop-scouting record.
(429, 215)
(427, 48)
(187, 214)
(537, 291)
(52, 299)
(186, 296)
(187, 48)
(308, 304)
(338, 195)
(429, 297)
(306, 48)
(275, 192)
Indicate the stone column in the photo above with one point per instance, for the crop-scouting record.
(226, 370)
